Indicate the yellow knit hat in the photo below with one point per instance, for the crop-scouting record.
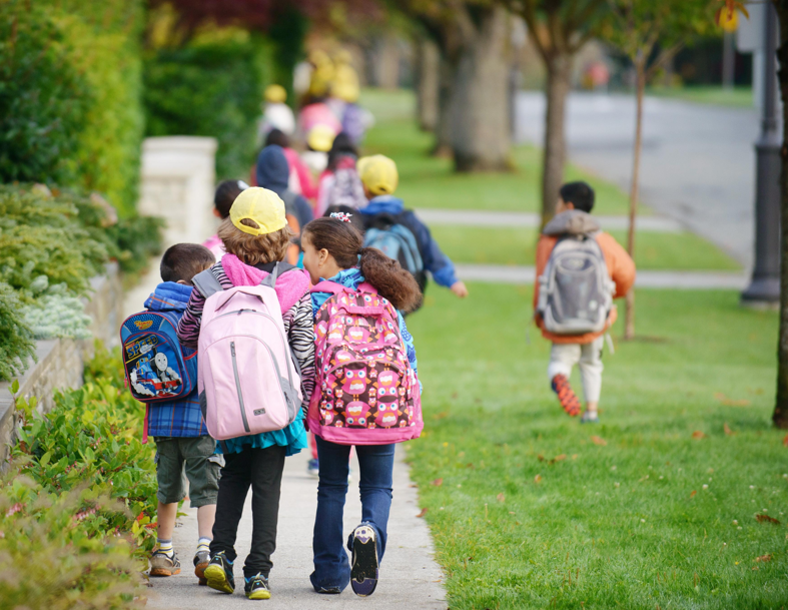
(275, 94)
(379, 174)
(265, 208)
(321, 137)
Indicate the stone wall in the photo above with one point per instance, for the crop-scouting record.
(61, 361)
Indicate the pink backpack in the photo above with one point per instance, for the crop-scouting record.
(366, 392)
(247, 378)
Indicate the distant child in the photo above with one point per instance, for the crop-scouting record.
(276, 113)
(580, 270)
(368, 394)
(301, 181)
(339, 184)
(388, 217)
(223, 199)
(182, 441)
(256, 237)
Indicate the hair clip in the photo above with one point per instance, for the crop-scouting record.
(341, 216)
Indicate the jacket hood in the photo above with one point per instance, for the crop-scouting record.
(384, 204)
(169, 296)
(273, 170)
(290, 286)
(571, 222)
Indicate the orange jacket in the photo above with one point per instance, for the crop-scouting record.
(620, 266)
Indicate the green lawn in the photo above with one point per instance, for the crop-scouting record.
(492, 246)
(740, 96)
(429, 182)
(528, 512)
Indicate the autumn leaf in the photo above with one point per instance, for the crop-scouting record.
(598, 440)
(423, 512)
(692, 495)
(698, 435)
(727, 429)
(500, 497)
(766, 519)
(538, 478)
(785, 441)
(437, 482)
(764, 558)
(559, 458)
(540, 457)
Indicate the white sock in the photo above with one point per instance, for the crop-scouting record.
(165, 546)
(204, 544)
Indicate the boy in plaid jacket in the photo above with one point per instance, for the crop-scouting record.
(182, 441)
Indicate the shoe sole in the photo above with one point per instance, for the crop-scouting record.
(259, 595)
(164, 571)
(566, 396)
(216, 578)
(199, 572)
(364, 573)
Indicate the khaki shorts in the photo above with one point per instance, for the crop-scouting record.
(194, 456)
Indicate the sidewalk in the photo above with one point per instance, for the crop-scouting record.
(410, 578)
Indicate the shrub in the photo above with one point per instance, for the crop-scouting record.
(16, 344)
(211, 89)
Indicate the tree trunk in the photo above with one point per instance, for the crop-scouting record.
(559, 74)
(386, 68)
(480, 137)
(444, 119)
(640, 65)
(428, 83)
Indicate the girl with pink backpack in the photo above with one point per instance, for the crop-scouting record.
(367, 393)
(251, 315)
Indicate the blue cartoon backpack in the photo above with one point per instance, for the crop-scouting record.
(157, 368)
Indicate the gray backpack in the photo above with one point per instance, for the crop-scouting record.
(575, 292)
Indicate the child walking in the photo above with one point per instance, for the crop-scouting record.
(182, 441)
(367, 394)
(575, 312)
(256, 237)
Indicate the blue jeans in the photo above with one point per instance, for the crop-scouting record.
(332, 568)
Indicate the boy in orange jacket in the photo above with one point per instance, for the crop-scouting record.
(573, 219)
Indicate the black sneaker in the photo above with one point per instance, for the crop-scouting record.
(364, 568)
(219, 573)
(201, 561)
(162, 564)
(256, 587)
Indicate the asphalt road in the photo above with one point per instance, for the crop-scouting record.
(698, 162)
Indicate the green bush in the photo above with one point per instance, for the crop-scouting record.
(70, 94)
(16, 339)
(210, 89)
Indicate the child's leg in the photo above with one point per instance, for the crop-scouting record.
(169, 477)
(591, 367)
(377, 468)
(203, 469)
(332, 570)
(233, 486)
(563, 356)
(266, 477)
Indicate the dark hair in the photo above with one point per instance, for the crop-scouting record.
(342, 146)
(344, 242)
(579, 194)
(278, 137)
(182, 262)
(225, 195)
(355, 217)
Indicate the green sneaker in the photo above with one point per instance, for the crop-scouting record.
(219, 573)
(256, 587)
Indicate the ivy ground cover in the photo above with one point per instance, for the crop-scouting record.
(678, 499)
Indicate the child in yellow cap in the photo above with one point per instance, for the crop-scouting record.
(398, 232)
(256, 237)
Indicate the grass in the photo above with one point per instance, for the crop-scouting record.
(739, 97)
(527, 511)
(493, 246)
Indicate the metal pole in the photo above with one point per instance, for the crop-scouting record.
(764, 288)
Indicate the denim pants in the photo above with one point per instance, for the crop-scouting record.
(332, 568)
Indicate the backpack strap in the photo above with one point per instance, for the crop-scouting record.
(335, 288)
(206, 283)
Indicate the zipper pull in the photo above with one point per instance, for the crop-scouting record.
(232, 348)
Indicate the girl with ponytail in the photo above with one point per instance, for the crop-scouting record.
(367, 393)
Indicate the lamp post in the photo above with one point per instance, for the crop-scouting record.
(764, 288)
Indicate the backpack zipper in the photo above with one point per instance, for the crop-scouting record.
(238, 387)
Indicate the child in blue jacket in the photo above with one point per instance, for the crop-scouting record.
(182, 440)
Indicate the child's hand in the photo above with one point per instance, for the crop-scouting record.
(459, 289)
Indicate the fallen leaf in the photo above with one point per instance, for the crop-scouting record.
(470, 465)
(423, 512)
(766, 519)
(574, 456)
(785, 441)
(692, 495)
(698, 435)
(540, 457)
(727, 429)
(598, 440)
(559, 458)
(730, 402)
(500, 497)
(764, 558)
(538, 478)
(755, 567)
(437, 482)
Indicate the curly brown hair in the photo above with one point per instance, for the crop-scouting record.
(345, 243)
(255, 249)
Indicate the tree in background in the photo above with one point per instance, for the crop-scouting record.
(558, 29)
(650, 34)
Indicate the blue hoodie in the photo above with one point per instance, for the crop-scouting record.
(273, 173)
(435, 261)
(181, 418)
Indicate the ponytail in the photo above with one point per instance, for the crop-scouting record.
(390, 280)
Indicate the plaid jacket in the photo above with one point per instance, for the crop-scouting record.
(181, 418)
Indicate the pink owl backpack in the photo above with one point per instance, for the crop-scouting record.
(366, 392)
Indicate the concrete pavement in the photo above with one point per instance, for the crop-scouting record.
(410, 578)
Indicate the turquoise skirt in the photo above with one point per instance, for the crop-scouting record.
(293, 437)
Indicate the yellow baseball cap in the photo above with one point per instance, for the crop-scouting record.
(262, 206)
(321, 137)
(275, 94)
(379, 174)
